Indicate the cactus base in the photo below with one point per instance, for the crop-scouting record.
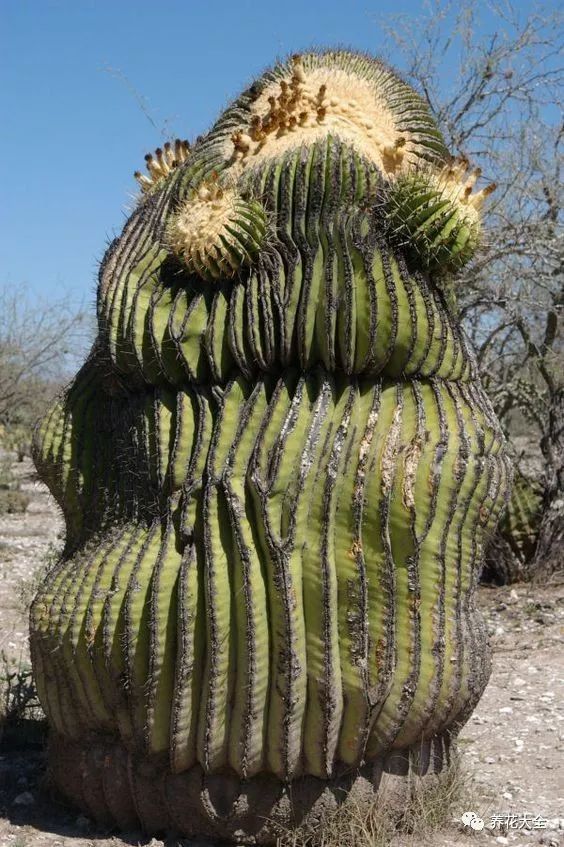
(118, 788)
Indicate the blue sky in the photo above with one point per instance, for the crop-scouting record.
(72, 127)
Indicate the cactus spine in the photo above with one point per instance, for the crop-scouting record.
(277, 468)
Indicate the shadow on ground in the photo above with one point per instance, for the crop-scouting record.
(29, 802)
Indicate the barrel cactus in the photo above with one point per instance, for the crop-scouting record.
(277, 468)
(521, 520)
(511, 551)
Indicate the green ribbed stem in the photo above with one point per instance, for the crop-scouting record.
(438, 231)
(360, 602)
(329, 290)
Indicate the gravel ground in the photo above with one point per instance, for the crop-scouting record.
(512, 747)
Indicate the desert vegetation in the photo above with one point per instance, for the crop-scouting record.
(39, 342)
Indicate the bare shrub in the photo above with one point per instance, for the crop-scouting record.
(40, 342)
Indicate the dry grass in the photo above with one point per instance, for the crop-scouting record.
(13, 502)
(430, 805)
(434, 802)
(22, 720)
(18, 697)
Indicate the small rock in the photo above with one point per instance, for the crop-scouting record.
(501, 839)
(24, 799)
(489, 760)
(506, 710)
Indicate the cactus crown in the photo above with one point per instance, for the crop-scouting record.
(428, 209)
(311, 102)
(353, 97)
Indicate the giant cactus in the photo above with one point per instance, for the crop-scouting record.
(277, 469)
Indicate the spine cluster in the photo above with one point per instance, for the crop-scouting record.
(162, 163)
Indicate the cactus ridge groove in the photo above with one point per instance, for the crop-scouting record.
(313, 427)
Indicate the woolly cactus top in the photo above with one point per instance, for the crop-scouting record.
(355, 99)
(352, 96)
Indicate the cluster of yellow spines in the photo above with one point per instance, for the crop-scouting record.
(456, 181)
(295, 105)
(216, 231)
(317, 101)
(164, 160)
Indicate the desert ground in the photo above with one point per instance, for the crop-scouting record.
(512, 749)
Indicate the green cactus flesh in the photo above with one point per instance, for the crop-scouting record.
(520, 523)
(435, 216)
(278, 470)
